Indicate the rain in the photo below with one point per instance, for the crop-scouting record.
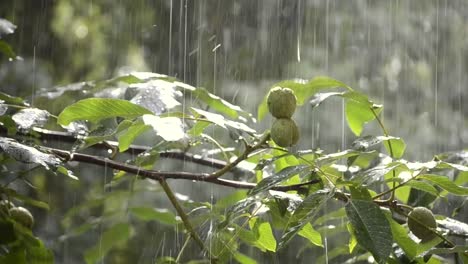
(202, 70)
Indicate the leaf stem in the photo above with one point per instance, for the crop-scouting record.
(188, 225)
(390, 149)
(248, 149)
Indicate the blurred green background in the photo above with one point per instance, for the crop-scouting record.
(410, 56)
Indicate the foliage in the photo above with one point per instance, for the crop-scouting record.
(283, 195)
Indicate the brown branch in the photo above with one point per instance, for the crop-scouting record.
(50, 135)
(160, 175)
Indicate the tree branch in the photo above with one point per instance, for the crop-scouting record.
(160, 175)
(50, 135)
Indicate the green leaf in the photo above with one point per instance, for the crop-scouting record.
(264, 234)
(6, 49)
(371, 228)
(308, 232)
(305, 212)
(445, 183)
(223, 122)
(126, 138)
(243, 259)
(397, 148)
(422, 186)
(115, 235)
(39, 255)
(217, 103)
(107, 134)
(277, 178)
(359, 111)
(169, 128)
(11, 99)
(303, 90)
(96, 109)
(26, 199)
(66, 172)
(149, 214)
(400, 235)
(456, 249)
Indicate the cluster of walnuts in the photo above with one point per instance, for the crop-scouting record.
(282, 104)
(19, 214)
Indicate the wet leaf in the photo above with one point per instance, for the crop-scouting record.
(66, 172)
(395, 146)
(223, 122)
(6, 49)
(126, 138)
(6, 27)
(445, 183)
(423, 186)
(277, 178)
(27, 118)
(27, 154)
(112, 237)
(12, 100)
(371, 228)
(169, 128)
(320, 97)
(158, 96)
(308, 209)
(96, 109)
(217, 103)
(359, 111)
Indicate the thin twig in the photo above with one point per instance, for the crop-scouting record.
(180, 211)
(248, 150)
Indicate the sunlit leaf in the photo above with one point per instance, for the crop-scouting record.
(6, 27)
(277, 178)
(115, 235)
(169, 128)
(359, 111)
(445, 183)
(371, 228)
(423, 186)
(217, 103)
(263, 234)
(96, 109)
(308, 232)
(126, 138)
(320, 97)
(27, 154)
(223, 122)
(158, 96)
(395, 146)
(25, 119)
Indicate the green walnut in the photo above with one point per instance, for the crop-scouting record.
(5, 207)
(420, 222)
(22, 216)
(285, 132)
(281, 102)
